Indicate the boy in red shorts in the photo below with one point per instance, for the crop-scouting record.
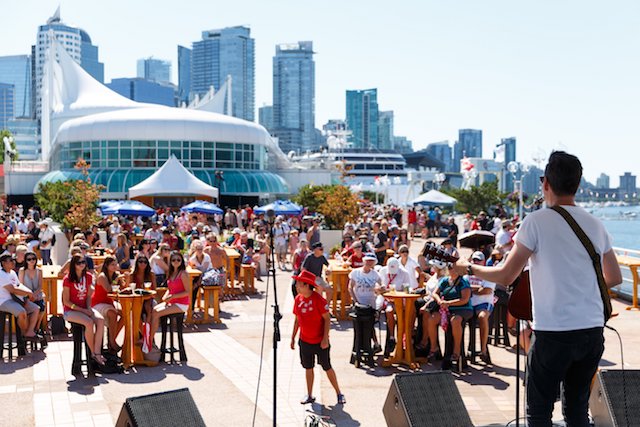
(312, 318)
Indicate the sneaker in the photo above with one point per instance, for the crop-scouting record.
(307, 399)
(341, 399)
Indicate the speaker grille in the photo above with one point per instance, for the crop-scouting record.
(616, 387)
(168, 409)
(432, 399)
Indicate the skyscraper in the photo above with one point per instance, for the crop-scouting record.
(16, 70)
(362, 118)
(6, 104)
(155, 70)
(385, 130)
(265, 117)
(602, 181)
(506, 152)
(294, 96)
(628, 184)
(76, 41)
(223, 52)
(142, 90)
(469, 144)
(402, 145)
(184, 74)
(442, 151)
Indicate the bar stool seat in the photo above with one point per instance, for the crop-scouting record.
(448, 350)
(77, 331)
(19, 344)
(248, 275)
(173, 324)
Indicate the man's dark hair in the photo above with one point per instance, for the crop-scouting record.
(563, 172)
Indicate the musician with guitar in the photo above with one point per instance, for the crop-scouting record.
(572, 265)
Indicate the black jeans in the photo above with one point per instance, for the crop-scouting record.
(570, 357)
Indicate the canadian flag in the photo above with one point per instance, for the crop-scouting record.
(465, 164)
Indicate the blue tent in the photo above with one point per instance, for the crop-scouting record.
(108, 203)
(128, 207)
(280, 207)
(202, 206)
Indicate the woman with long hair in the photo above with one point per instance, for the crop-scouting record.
(176, 299)
(102, 303)
(76, 295)
(122, 252)
(142, 274)
(30, 275)
(159, 262)
(402, 239)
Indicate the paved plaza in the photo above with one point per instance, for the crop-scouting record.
(223, 369)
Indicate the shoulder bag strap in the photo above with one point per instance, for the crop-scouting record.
(595, 259)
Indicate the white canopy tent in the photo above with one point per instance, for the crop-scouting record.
(434, 198)
(170, 180)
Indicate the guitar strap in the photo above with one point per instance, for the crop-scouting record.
(595, 259)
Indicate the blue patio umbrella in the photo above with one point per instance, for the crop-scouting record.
(107, 204)
(202, 206)
(128, 207)
(280, 207)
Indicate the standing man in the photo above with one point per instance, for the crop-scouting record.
(568, 309)
(312, 319)
(314, 262)
(380, 243)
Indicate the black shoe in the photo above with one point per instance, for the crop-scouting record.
(485, 358)
(392, 345)
(377, 349)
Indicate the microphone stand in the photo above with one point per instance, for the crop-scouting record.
(276, 311)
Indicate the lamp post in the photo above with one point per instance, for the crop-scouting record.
(514, 167)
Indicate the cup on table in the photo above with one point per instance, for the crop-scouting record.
(132, 287)
(405, 288)
(147, 285)
(115, 288)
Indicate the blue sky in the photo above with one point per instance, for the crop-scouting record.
(557, 74)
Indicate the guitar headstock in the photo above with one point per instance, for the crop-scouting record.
(439, 253)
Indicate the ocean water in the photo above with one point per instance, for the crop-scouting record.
(621, 224)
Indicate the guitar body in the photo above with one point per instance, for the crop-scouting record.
(519, 304)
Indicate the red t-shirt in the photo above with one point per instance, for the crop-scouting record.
(412, 217)
(309, 312)
(78, 292)
(356, 261)
(100, 296)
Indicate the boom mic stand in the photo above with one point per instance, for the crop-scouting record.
(271, 217)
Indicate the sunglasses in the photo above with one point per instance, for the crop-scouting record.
(542, 179)
(31, 259)
(176, 260)
(81, 262)
(143, 261)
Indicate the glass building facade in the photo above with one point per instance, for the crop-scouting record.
(385, 130)
(184, 74)
(155, 70)
(16, 70)
(294, 96)
(223, 52)
(469, 144)
(142, 90)
(362, 118)
(6, 103)
(25, 132)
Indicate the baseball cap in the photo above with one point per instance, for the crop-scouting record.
(441, 265)
(393, 266)
(477, 255)
(237, 231)
(369, 256)
(316, 245)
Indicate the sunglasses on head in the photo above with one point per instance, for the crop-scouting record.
(31, 258)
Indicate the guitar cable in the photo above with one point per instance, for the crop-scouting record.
(624, 383)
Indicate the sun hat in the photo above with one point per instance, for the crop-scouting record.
(306, 276)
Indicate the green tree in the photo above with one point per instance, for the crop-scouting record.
(477, 198)
(339, 206)
(310, 196)
(5, 133)
(73, 203)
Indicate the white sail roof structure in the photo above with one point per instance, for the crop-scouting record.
(215, 102)
(172, 179)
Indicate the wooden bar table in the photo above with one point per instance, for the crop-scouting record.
(233, 257)
(136, 238)
(209, 292)
(405, 311)
(131, 312)
(633, 264)
(340, 282)
(50, 286)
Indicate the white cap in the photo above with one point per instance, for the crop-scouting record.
(393, 266)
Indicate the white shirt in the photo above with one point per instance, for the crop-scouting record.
(411, 266)
(481, 299)
(45, 236)
(365, 285)
(6, 279)
(202, 266)
(564, 288)
(397, 280)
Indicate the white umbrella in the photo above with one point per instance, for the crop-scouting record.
(435, 198)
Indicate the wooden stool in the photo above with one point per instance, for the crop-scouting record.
(77, 330)
(207, 293)
(248, 274)
(173, 322)
(498, 329)
(10, 345)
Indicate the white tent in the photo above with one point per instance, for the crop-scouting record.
(435, 198)
(172, 179)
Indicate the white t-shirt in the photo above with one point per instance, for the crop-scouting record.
(202, 266)
(564, 288)
(411, 269)
(481, 299)
(365, 286)
(6, 279)
(398, 280)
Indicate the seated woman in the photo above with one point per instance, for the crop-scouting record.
(142, 274)
(31, 276)
(103, 304)
(176, 299)
(200, 261)
(76, 295)
(122, 252)
(159, 262)
(429, 307)
(453, 295)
